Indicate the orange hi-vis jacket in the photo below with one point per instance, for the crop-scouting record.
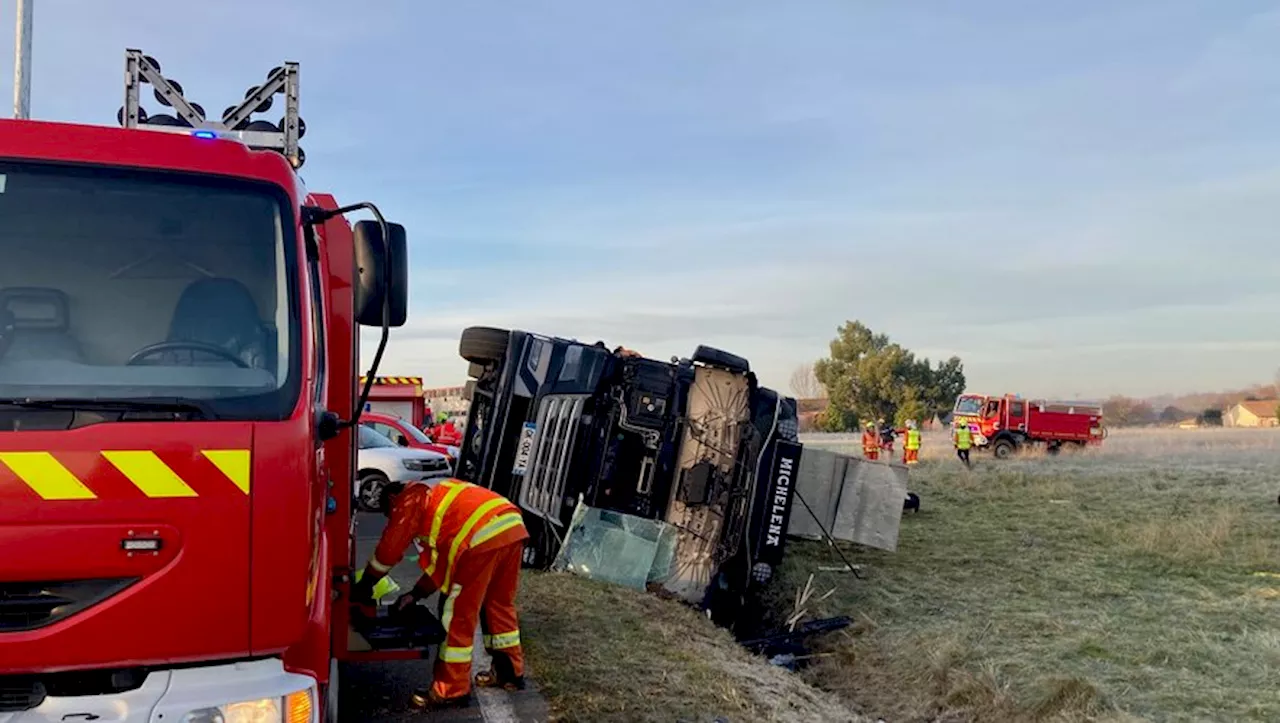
(446, 519)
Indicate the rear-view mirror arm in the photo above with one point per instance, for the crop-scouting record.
(313, 215)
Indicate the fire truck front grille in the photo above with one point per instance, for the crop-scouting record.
(557, 431)
(24, 692)
(31, 605)
(20, 693)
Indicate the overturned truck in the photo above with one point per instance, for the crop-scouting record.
(695, 443)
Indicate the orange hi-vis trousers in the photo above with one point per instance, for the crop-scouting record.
(483, 591)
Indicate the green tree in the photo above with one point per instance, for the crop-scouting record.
(868, 377)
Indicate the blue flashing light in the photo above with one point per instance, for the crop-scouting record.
(204, 134)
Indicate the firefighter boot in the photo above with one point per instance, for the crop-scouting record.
(429, 699)
(500, 675)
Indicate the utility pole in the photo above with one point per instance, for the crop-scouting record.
(22, 61)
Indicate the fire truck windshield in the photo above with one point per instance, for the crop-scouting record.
(138, 285)
(968, 405)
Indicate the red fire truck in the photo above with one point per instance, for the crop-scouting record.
(1007, 424)
(399, 397)
(178, 351)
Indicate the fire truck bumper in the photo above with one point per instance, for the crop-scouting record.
(259, 690)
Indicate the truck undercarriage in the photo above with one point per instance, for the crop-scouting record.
(695, 443)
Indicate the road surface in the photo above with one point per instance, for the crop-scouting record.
(379, 692)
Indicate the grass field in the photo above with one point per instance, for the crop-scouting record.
(1139, 581)
(606, 653)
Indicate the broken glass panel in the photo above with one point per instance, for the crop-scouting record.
(616, 547)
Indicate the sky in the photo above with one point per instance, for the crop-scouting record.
(1078, 199)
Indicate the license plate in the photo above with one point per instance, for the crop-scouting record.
(524, 449)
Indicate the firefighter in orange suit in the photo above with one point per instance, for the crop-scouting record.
(471, 541)
(871, 441)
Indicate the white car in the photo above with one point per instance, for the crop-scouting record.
(381, 461)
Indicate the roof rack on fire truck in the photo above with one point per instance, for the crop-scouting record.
(190, 118)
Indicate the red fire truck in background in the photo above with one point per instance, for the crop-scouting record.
(178, 397)
(1007, 424)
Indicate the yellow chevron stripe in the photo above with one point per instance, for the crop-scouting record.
(149, 473)
(46, 476)
(393, 380)
(234, 463)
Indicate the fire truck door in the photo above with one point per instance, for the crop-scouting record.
(1018, 415)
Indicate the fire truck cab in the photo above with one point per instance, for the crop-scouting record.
(178, 400)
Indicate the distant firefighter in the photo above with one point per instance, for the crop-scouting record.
(887, 436)
(870, 441)
(911, 445)
(963, 439)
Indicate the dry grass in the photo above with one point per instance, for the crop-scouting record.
(1112, 584)
(605, 653)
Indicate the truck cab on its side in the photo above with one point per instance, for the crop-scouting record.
(694, 442)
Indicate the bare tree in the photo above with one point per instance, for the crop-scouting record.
(805, 385)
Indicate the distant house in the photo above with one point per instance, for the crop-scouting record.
(1260, 413)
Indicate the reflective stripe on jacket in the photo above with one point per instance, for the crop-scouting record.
(447, 519)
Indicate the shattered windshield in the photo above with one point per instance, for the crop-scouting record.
(135, 285)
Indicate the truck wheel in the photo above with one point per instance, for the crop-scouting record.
(1003, 448)
(1053, 448)
(370, 495)
(483, 344)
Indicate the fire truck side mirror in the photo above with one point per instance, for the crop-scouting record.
(328, 426)
(376, 283)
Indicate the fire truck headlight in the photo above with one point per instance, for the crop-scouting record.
(296, 707)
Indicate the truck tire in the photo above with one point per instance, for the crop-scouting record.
(371, 484)
(1003, 448)
(1053, 448)
(483, 344)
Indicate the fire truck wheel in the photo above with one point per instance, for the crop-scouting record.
(1053, 448)
(483, 344)
(1003, 448)
(370, 494)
